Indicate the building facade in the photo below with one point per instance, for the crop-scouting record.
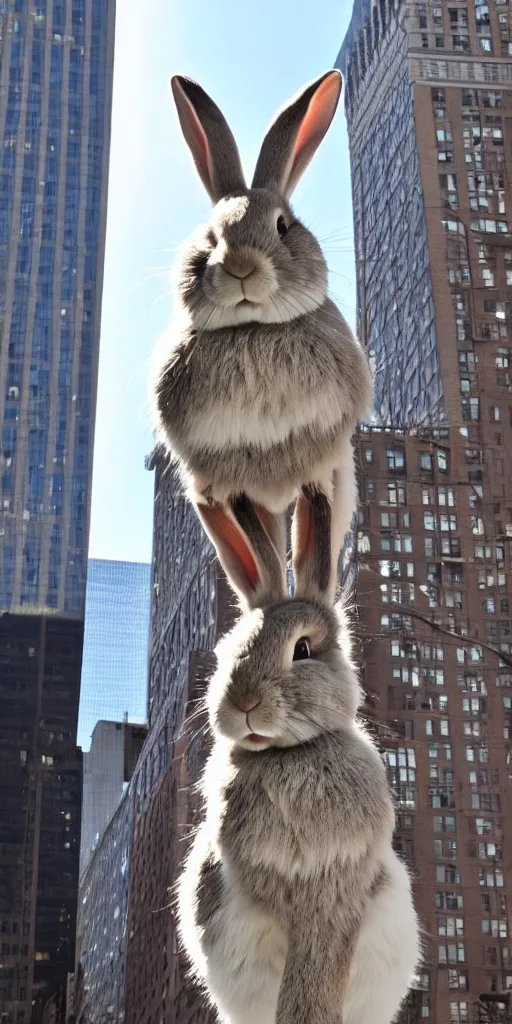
(429, 109)
(127, 965)
(107, 769)
(40, 804)
(56, 61)
(116, 640)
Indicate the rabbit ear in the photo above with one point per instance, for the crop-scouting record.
(323, 516)
(251, 554)
(209, 139)
(296, 133)
(311, 545)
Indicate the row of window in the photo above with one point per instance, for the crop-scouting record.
(395, 458)
(460, 41)
(453, 927)
(453, 953)
(403, 544)
(448, 874)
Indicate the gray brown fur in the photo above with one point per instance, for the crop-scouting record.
(289, 362)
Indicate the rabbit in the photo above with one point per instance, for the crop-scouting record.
(292, 906)
(259, 382)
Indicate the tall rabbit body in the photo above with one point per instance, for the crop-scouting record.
(259, 381)
(294, 908)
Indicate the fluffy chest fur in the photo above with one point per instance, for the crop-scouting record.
(257, 384)
(300, 816)
(291, 840)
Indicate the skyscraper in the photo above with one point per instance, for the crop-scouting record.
(56, 63)
(54, 125)
(429, 109)
(116, 639)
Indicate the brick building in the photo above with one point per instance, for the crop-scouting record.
(429, 109)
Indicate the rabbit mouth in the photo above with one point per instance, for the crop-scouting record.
(254, 737)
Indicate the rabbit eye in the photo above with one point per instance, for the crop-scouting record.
(281, 226)
(302, 649)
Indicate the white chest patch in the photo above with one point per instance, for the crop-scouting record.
(266, 421)
(245, 962)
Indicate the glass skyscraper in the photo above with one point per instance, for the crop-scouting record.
(56, 63)
(115, 658)
(56, 76)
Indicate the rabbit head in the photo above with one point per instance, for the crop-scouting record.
(255, 261)
(284, 673)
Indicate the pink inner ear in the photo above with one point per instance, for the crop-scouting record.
(319, 113)
(228, 534)
(200, 140)
(194, 134)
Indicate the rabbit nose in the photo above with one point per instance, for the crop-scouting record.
(238, 267)
(245, 703)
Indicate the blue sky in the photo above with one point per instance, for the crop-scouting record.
(250, 63)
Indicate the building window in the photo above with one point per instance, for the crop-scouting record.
(396, 494)
(446, 496)
(491, 98)
(473, 706)
(447, 874)
(457, 979)
(470, 409)
(498, 929)
(448, 523)
(459, 1013)
(483, 826)
(452, 953)
(450, 927)
(491, 877)
(449, 901)
(395, 459)
(444, 823)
